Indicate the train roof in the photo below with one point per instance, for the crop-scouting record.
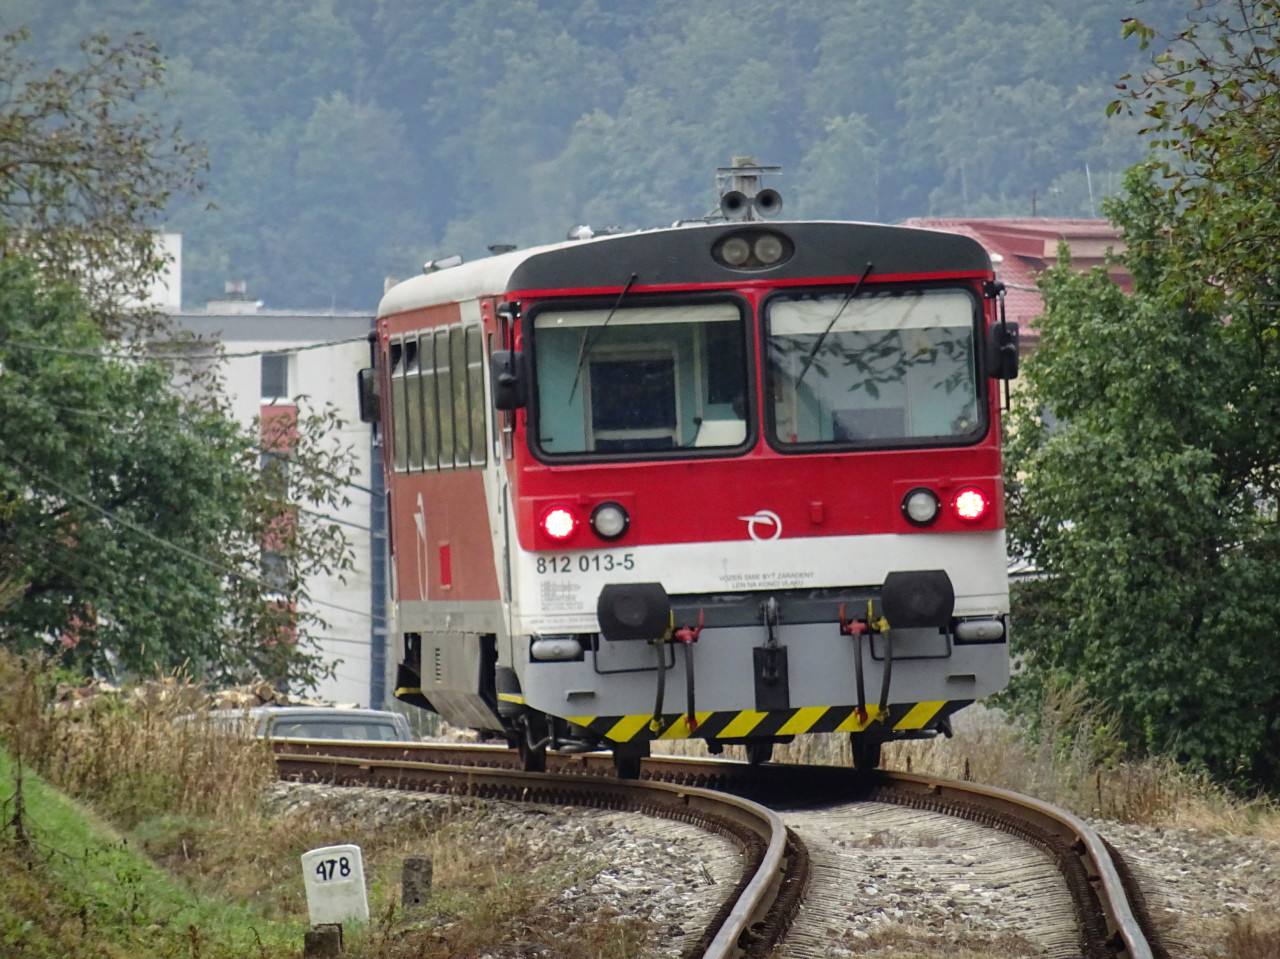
(823, 248)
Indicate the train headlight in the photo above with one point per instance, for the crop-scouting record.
(768, 249)
(920, 506)
(609, 520)
(736, 251)
(559, 523)
(970, 504)
(753, 249)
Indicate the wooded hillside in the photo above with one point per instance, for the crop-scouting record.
(350, 141)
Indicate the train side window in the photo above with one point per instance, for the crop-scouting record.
(476, 395)
(444, 390)
(461, 411)
(430, 402)
(400, 447)
(413, 404)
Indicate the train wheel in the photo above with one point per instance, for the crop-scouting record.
(759, 752)
(866, 751)
(627, 759)
(533, 744)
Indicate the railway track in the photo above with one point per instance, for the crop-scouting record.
(741, 802)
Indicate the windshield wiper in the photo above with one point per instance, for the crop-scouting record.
(822, 339)
(587, 344)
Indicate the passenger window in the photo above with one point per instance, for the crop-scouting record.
(444, 391)
(399, 433)
(461, 409)
(430, 402)
(413, 405)
(479, 401)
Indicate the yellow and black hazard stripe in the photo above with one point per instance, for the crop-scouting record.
(750, 723)
(413, 696)
(409, 688)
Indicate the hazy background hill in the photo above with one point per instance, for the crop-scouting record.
(351, 140)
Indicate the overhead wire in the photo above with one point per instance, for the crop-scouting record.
(327, 474)
(335, 519)
(141, 355)
(161, 541)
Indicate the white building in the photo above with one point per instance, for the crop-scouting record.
(274, 365)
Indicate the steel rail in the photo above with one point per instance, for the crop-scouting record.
(1099, 867)
(781, 783)
(312, 760)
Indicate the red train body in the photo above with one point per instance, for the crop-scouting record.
(737, 482)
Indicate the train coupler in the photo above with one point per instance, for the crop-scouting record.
(769, 662)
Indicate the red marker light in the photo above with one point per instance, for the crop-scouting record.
(970, 504)
(559, 523)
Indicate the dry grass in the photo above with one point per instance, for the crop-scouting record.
(189, 796)
(1253, 938)
(134, 756)
(491, 885)
(1074, 760)
(902, 941)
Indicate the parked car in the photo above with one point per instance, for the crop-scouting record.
(315, 722)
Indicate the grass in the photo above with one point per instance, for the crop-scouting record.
(490, 885)
(168, 839)
(1253, 939)
(72, 885)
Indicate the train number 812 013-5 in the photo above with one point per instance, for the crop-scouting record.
(586, 563)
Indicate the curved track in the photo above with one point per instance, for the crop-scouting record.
(734, 799)
(750, 921)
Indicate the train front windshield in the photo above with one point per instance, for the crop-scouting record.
(641, 378)
(877, 369)
(885, 368)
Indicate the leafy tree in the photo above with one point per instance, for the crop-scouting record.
(1212, 104)
(1151, 509)
(136, 530)
(84, 174)
(134, 518)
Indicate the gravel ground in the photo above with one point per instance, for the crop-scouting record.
(1199, 885)
(887, 876)
(673, 874)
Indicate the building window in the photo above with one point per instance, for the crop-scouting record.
(275, 376)
(275, 572)
(275, 472)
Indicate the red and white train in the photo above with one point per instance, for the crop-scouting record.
(735, 481)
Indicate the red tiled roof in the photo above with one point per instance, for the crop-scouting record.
(1022, 249)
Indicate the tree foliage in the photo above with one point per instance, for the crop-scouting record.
(351, 141)
(1150, 508)
(1212, 104)
(136, 529)
(85, 174)
(133, 518)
